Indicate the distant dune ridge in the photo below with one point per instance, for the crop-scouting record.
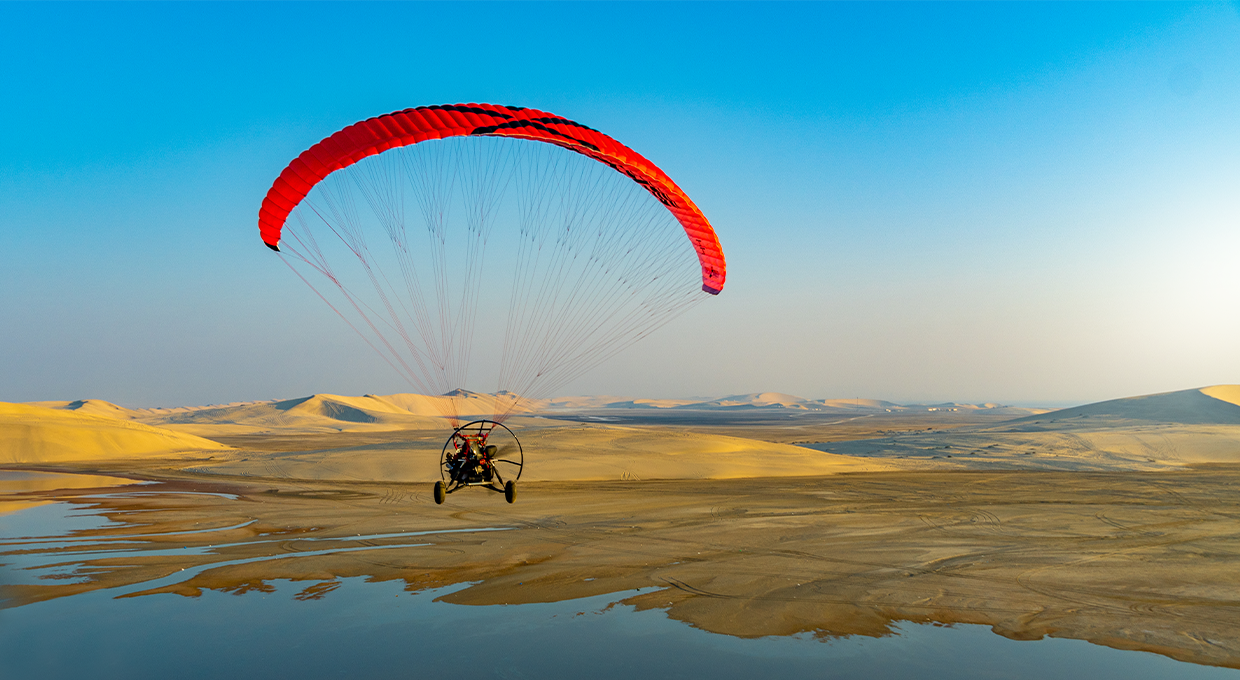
(336, 413)
(780, 400)
(316, 413)
(324, 413)
(1147, 432)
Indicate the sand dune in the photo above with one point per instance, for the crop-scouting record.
(34, 434)
(1218, 405)
(318, 413)
(94, 407)
(578, 403)
(459, 402)
(331, 413)
(854, 404)
(650, 403)
(759, 399)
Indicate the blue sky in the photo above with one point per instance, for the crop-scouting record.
(1028, 203)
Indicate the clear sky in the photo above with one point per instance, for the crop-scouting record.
(1027, 203)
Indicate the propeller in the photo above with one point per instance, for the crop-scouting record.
(503, 454)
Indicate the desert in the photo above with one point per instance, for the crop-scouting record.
(1035, 523)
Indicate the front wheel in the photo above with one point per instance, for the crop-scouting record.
(441, 493)
(510, 491)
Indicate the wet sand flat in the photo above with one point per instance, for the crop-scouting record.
(1132, 560)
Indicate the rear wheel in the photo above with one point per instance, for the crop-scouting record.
(441, 492)
(510, 491)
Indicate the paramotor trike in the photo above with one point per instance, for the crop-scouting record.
(482, 453)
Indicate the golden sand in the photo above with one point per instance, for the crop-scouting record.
(1227, 393)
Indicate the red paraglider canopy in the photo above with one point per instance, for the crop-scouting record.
(411, 126)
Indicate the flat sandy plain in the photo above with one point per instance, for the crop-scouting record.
(1129, 539)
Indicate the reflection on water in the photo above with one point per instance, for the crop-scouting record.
(23, 481)
(368, 630)
(17, 485)
(282, 586)
(39, 523)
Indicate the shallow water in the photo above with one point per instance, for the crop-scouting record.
(360, 629)
(366, 630)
